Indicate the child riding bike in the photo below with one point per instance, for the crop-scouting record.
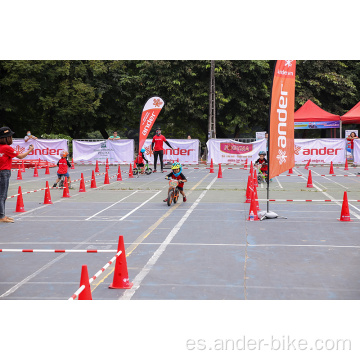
(63, 165)
(140, 160)
(177, 174)
(262, 164)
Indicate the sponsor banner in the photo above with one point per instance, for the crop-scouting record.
(357, 151)
(281, 146)
(321, 151)
(44, 149)
(317, 125)
(187, 151)
(150, 112)
(260, 135)
(227, 151)
(116, 151)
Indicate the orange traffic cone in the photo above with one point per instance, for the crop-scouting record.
(93, 181)
(245, 165)
(255, 179)
(66, 192)
(345, 213)
(84, 280)
(47, 197)
(107, 164)
(130, 172)
(23, 166)
(253, 210)
(19, 176)
(309, 183)
(47, 170)
(106, 180)
(346, 165)
(36, 171)
(119, 178)
(97, 167)
(307, 165)
(256, 198)
(121, 277)
(249, 189)
(331, 172)
(82, 184)
(20, 202)
(211, 167)
(290, 171)
(72, 164)
(220, 172)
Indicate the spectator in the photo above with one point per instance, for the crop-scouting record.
(189, 137)
(6, 155)
(114, 136)
(29, 137)
(351, 138)
(267, 142)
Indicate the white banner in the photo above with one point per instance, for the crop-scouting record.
(44, 149)
(227, 151)
(321, 151)
(116, 151)
(357, 151)
(187, 151)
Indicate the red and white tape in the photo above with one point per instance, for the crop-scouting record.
(56, 251)
(305, 200)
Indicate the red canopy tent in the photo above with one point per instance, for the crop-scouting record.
(311, 112)
(352, 116)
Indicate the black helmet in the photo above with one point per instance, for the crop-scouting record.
(158, 128)
(5, 132)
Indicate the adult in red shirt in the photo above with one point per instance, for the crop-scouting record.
(351, 138)
(6, 155)
(158, 148)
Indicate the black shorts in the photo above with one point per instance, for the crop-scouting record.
(140, 165)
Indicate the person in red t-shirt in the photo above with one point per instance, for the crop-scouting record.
(6, 155)
(63, 165)
(262, 163)
(140, 160)
(351, 138)
(158, 149)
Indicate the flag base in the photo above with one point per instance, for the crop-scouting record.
(269, 215)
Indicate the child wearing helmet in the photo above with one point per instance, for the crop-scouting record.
(177, 174)
(262, 163)
(140, 160)
(63, 165)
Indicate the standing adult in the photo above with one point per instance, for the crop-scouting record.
(6, 155)
(29, 136)
(157, 146)
(115, 136)
(351, 138)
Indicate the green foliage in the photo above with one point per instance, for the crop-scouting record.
(59, 136)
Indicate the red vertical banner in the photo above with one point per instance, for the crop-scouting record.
(281, 147)
(150, 112)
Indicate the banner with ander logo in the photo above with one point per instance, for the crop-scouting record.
(187, 151)
(44, 149)
(149, 115)
(281, 134)
(227, 151)
(357, 151)
(116, 151)
(320, 151)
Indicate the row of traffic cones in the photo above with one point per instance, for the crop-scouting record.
(120, 279)
(212, 169)
(331, 166)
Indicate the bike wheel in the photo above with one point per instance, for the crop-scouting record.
(170, 197)
(148, 171)
(135, 171)
(176, 196)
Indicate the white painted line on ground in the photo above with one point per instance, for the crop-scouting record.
(276, 177)
(128, 294)
(330, 179)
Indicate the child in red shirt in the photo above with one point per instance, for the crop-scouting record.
(63, 165)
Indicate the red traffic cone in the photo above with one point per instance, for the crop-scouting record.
(249, 189)
(255, 179)
(331, 172)
(119, 178)
(309, 183)
(121, 277)
(93, 181)
(307, 165)
(23, 166)
(84, 280)
(245, 165)
(47, 170)
(19, 176)
(346, 165)
(20, 202)
(47, 197)
(253, 210)
(39, 162)
(106, 180)
(107, 164)
(130, 172)
(345, 213)
(256, 199)
(66, 193)
(72, 164)
(211, 167)
(36, 171)
(97, 167)
(251, 168)
(220, 172)
(82, 184)
(290, 171)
